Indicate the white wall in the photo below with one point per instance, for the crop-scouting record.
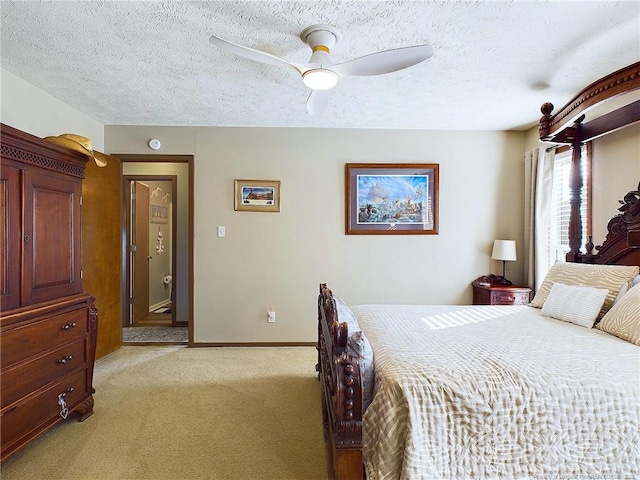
(280, 258)
(30, 109)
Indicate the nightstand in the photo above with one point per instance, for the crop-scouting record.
(493, 294)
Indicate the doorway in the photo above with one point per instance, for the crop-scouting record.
(151, 231)
(157, 245)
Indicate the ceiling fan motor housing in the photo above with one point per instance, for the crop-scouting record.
(321, 39)
(323, 35)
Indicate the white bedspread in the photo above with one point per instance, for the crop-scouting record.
(498, 393)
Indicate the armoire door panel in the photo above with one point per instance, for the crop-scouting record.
(10, 236)
(52, 216)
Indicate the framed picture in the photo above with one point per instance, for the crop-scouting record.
(257, 195)
(159, 214)
(391, 199)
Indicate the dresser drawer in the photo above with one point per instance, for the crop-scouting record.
(509, 298)
(25, 341)
(40, 410)
(23, 378)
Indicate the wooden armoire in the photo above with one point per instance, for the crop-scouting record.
(48, 324)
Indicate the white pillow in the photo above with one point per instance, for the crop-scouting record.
(623, 289)
(574, 304)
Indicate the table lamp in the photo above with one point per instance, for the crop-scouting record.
(504, 250)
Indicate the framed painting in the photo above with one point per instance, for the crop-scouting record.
(159, 214)
(257, 195)
(391, 199)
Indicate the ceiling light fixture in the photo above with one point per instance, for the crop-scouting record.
(320, 79)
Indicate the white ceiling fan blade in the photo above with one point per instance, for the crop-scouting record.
(317, 102)
(384, 62)
(253, 54)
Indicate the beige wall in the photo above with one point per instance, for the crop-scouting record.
(279, 258)
(30, 109)
(616, 171)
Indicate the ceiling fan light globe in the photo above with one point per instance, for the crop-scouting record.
(320, 79)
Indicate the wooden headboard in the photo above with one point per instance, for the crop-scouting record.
(567, 126)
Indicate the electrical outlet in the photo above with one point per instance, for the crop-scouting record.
(271, 317)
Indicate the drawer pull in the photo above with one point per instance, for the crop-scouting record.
(69, 325)
(64, 411)
(66, 359)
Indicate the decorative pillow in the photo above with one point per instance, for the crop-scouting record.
(623, 320)
(346, 315)
(360, 348)
(362, 353)
(574, 304)
(610, 277)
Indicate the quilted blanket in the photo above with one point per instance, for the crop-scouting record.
(489, 392)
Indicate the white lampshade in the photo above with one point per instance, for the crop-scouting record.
(504, 250)
(320, 79)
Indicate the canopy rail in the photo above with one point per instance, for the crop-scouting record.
(567, 126)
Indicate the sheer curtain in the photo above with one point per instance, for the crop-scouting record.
(537, 213)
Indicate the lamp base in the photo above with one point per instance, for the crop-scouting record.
(501, 281)
(492, 279)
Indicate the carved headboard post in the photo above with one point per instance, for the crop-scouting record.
(575, 188)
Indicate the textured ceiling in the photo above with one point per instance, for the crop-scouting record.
(151, 63)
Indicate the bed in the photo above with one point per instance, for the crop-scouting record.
(429, 392)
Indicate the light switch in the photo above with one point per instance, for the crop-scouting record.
(221, 231)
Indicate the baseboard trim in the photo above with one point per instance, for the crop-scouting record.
(252, 344)
(153, 308)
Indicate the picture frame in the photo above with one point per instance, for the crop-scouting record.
(158, 214)
(257, 195)
(391, 198)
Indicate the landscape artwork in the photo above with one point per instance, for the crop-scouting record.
(257, 195)
(392, 199)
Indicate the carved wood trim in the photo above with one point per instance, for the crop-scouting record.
(29, 149)
(624, 80)
(622, 243)
(93, 339)
(556, 128)
(85, 409)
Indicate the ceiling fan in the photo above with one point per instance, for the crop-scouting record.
(320, 74)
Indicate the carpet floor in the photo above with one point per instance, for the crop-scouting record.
(171, 412)
(155, 335)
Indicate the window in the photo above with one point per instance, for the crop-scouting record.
(560, 206)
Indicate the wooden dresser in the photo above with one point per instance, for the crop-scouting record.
(48, 324)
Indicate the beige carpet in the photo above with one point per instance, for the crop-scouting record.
(171, 412)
